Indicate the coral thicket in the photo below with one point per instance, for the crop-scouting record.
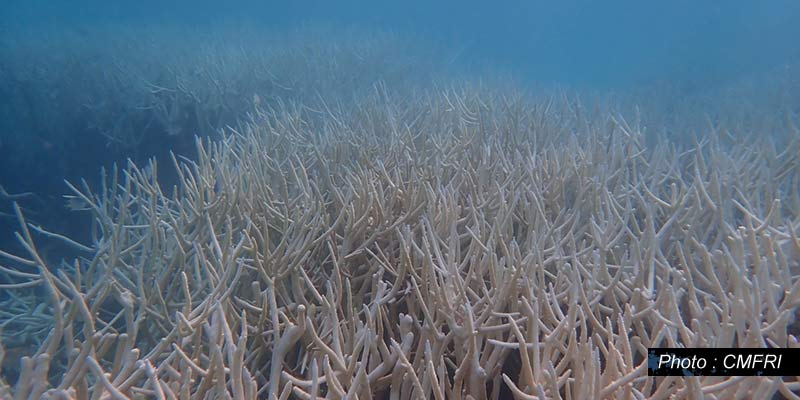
(452, 244)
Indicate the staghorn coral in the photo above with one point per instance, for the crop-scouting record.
(463, 245)
(73, 102)
(144, 85)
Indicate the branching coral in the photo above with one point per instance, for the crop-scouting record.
(145, 84)
(459, 245)
(72, 103)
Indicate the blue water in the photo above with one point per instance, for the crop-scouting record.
(592, 43)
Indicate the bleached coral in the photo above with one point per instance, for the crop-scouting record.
(461, 244)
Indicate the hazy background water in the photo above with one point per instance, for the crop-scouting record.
(585, 42)
(686, 48)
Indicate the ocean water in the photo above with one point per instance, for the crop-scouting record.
(359, 198)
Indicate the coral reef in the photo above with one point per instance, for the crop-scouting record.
(73, 103)
(462, 244)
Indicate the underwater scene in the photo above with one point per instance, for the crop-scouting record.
(399, 200)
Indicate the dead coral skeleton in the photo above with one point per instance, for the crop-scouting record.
(459, 245)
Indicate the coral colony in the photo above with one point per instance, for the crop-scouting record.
(451, 243)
